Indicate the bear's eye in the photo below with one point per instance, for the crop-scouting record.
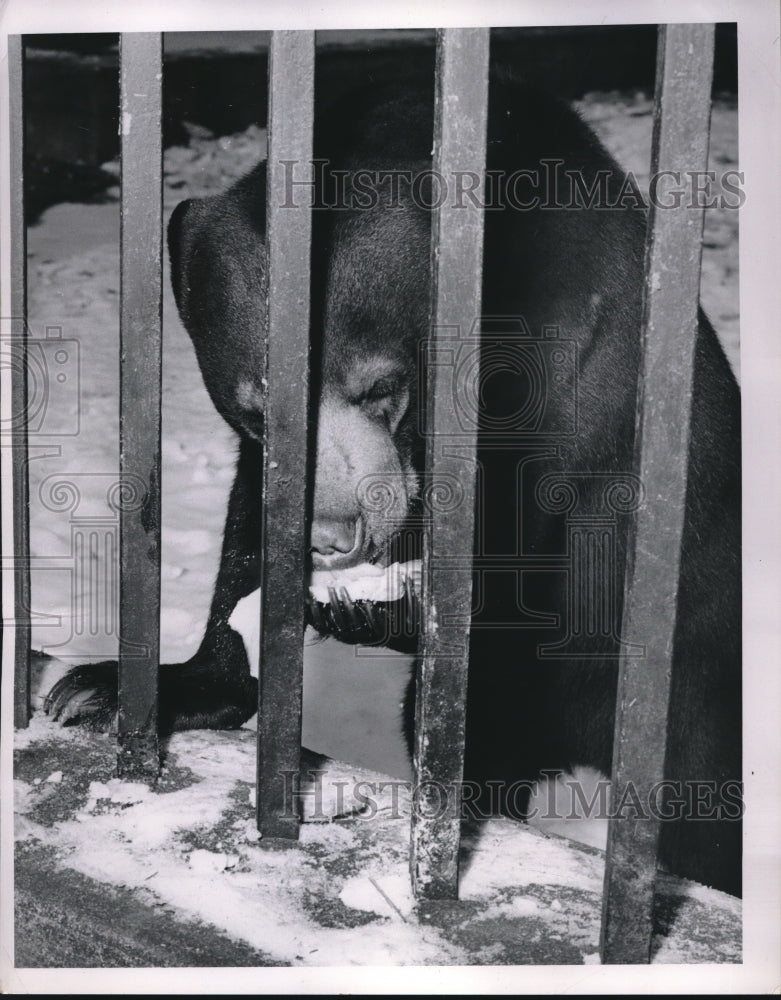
(383, 388)
(386, 400)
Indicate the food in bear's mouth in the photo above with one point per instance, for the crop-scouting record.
(367, 604)
(367, 582)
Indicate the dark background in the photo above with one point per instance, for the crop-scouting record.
(218, 81)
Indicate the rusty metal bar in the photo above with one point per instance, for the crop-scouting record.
(140, 399)
(19, 402)
(457, 250)
(671, 296)
(288, 238)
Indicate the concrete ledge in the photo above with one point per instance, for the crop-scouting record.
(115, 874)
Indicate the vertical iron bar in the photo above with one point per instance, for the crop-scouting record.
(288, 239)
(139, 400)
(19, 402)
(457, 248)
(671, 297)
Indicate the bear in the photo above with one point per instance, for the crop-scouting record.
(562, 286)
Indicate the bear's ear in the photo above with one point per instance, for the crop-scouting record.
(176, 232)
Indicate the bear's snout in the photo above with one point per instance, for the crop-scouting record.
(361, 496)
(337, 542)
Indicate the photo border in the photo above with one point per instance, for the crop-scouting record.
(759, 69)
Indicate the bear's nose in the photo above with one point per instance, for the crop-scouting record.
(336, 543)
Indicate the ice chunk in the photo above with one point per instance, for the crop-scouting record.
(367, 582)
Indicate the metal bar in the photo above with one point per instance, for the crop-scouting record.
(139, 400)
(671, 295)
(457, 250)
(288, 239)
(19, 403)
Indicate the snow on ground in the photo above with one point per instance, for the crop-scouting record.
(342, 896)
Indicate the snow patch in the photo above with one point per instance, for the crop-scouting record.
(386, 895)
(500, 857)
(521, 906)
(191, 541)
(211, 862)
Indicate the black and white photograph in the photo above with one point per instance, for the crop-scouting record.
(389, 444)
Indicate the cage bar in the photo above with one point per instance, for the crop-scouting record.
(670, 310)
(19, 402)
(285, 470)
(457, 248)
(140, 400)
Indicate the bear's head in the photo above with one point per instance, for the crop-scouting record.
(370, 300)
